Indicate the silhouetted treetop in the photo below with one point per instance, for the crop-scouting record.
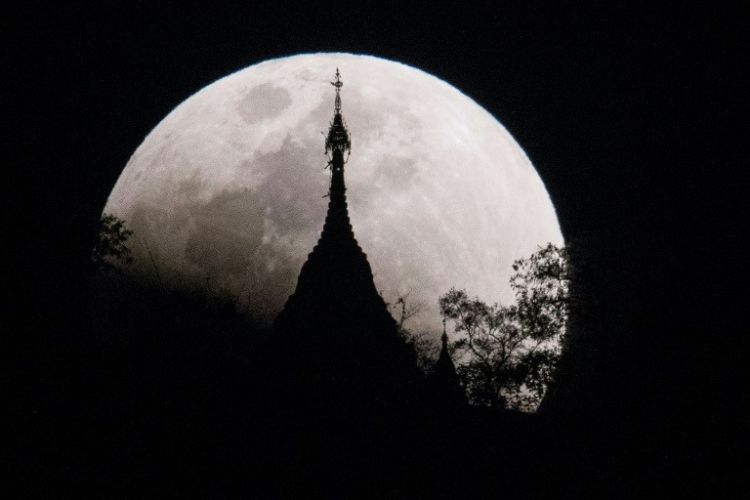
(110, 250)
(507, 354)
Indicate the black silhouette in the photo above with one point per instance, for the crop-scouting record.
(636, 129)
(335, 329)
(443, 380)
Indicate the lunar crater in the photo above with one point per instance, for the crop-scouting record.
(263, 103)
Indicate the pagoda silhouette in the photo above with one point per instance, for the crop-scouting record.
(335, 288)
(444, 386)
(342, 347)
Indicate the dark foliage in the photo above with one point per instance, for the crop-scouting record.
(160, 393)
(508, 354)
(111, 252)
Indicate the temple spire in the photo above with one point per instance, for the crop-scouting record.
(342, 348)
(446, 386)
(337, 267)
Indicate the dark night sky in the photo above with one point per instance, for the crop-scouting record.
(630, 115)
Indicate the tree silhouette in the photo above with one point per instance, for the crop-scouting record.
(110, 248)
(507, 354)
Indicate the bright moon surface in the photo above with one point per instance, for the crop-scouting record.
(227, 191)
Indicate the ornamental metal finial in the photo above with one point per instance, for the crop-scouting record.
(338, 84)
(338, 137)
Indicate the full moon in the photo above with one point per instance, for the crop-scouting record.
(227, 192)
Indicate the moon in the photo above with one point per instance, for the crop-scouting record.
(226, 192)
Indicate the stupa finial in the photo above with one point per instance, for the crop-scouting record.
(338, 84)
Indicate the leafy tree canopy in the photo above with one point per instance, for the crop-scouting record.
(507, 354)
